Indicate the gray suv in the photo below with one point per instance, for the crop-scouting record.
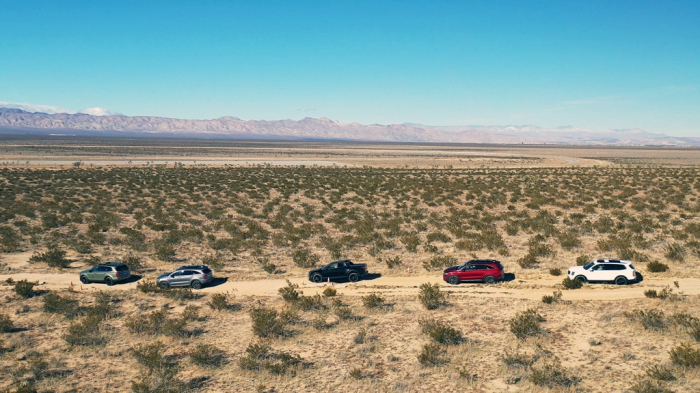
(195, 276)
(108, 273)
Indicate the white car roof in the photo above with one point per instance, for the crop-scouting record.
(623, 261)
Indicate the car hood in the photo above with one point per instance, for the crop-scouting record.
(164, 275)
(85, 271)
(577, 269)
(315, 271)
(451, 269)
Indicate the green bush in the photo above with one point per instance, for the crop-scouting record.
(266, 322)
(553, 298)
(685, 355)
(440, 262)
(207, 356)
(307, 303)
(551, 375)
(555, 271)
(6, 324)
(571, 284)
(53, 257)
(85, 332)
(430, 296)
(526, 324)
(289, 293)
(644, 385)
(659, 373)
(432, 355)
(583, 259)
(135, 263)
(411, 242)
(56, 304)
(514, 358)
(393, 262)
(160, 370)
(440, 332)
(373, 300)
(329, 292)
(675, 252)
(651, 320)
(304, 258)
(657, 267)
(261, 357)
(529, 261)
(219, 301)
(25, 288)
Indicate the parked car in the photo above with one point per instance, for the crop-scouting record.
(478, 270)
(195, 276)
(619, 271)
(343, 269)
(108, 273)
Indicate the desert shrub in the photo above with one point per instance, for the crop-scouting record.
(651, 293)
(147, 286)
(289, 293)
(308, 303)
(571, 284)
(161, 371)
(180, 294)
(329, 292)
(213, 261)
(657, 267)
(659, 373)
(55, 304)
(437, 236)
(569, 239)
(6, 324)
(675, 252)
(583, 259)
(430, 296)
(321, 322)
(393, 262)
(373, 300)
(25, 288)
(526, 324)
(156, 323)
(440, 332)
(164, 252)
(411, 242)
(360, 336)
(515, 358)
(685, 320)
(645, 385)
(266, 322)
(685, 355)
(53, 257)
(555, 271)
(269, 267)
(135, 263)
(304, 258)
(553, 298)
(219, 301)
(207, 356)
(190, 313)
(356, 373)
(260, 356)
(551, 375)
(651, 319)
(85, 332)
(528, 261)
(432, 355)
(439, 262)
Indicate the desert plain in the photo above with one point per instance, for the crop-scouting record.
(263, 213)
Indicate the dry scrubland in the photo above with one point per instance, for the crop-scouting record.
(261, 223)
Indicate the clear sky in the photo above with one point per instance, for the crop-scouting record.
(591, 64)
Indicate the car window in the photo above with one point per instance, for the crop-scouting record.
(177, 274)
(104, 269)
(598, 267)
(187, 273)
(588, 265)
(333, 266)
(122, 268)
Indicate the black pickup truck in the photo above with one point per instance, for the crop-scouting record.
(343, 269)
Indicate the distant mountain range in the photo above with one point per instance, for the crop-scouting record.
(19, 121)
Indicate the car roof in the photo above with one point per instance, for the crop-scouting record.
(482, 261)
(624, 261)
(192, 267)
(111, 264)
(342, 260)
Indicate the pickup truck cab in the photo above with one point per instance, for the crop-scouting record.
(343, 269)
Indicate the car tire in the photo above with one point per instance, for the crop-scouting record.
(196, 284)
(454, 280)
(316, 278)
(109, 281)
(621, 280)
(489, 280)
(353, 277)
(163, 285)
(583, 279)
(84, 280)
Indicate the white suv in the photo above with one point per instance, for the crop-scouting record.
(619, 271)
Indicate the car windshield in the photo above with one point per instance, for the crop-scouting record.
(631, 266)
(588, 266)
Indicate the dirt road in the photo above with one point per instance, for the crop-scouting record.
(516, 289)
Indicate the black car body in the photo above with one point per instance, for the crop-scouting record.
(343, 269)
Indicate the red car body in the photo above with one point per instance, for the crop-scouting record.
(477, 270)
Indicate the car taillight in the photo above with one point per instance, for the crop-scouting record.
(634, 273)
(364, 267)
(117, 274)
(205, 276)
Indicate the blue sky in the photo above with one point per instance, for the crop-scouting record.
(590, 64)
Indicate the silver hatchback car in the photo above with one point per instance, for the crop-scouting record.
(195, 276)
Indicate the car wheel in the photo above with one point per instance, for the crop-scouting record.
(581, 278)
(164, 285)
(454, 280)
(196, 284)
(316, 278)
(109, 281)
(489, 280)
(622, 280)
(84, 280)
(353, 277)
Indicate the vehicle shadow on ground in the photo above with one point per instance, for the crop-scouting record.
(366, 277)
(217, 281)
(507, 277)
(640, 278)
(132, 279)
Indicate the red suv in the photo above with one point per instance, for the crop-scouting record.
(482, 270)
